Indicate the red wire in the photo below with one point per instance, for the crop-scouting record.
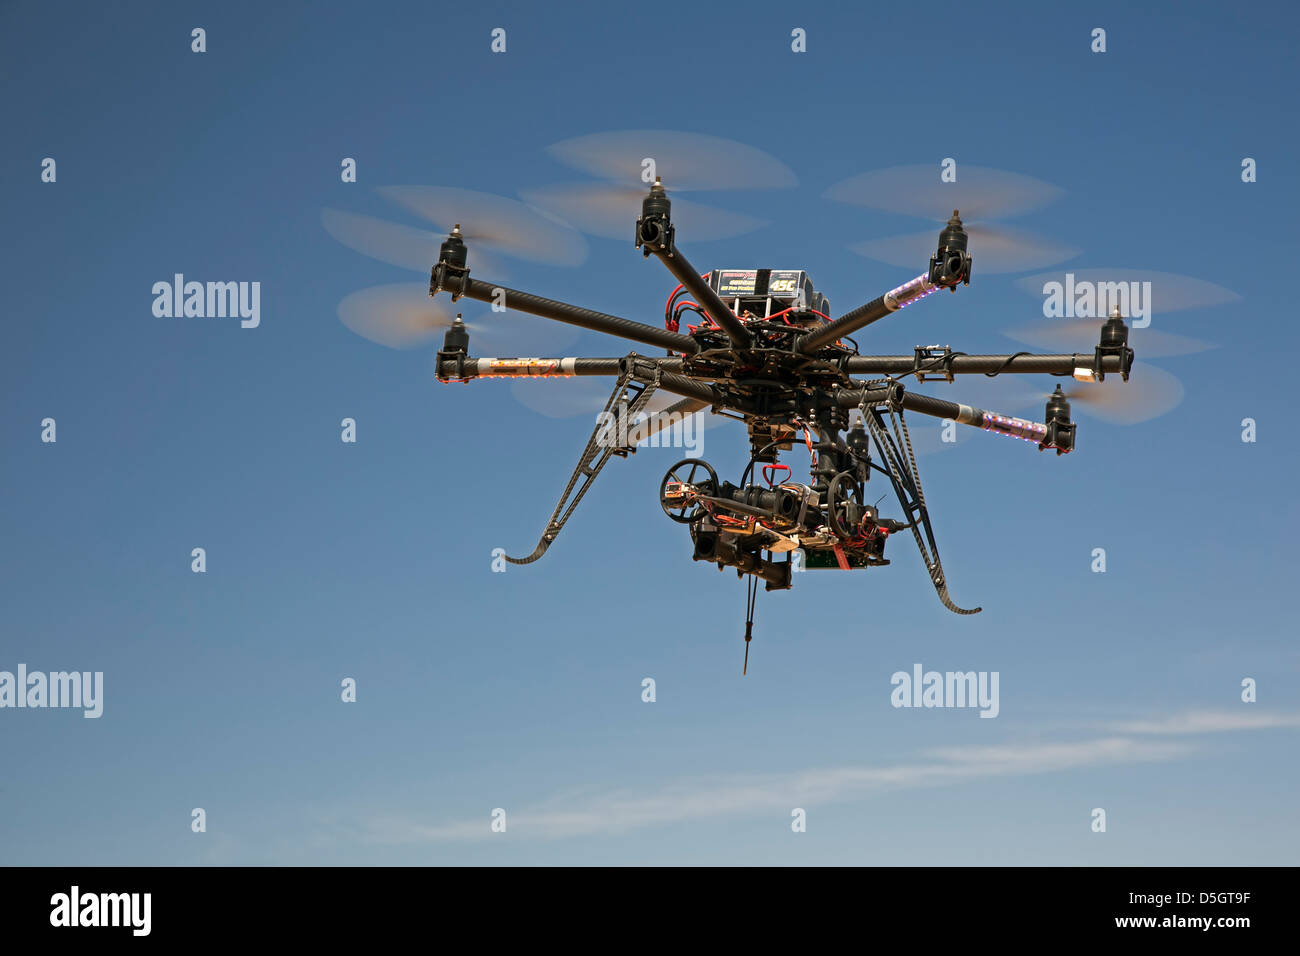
(668, 306)
(783, 312)
(771, 482)
(682, 306)
(669, 324)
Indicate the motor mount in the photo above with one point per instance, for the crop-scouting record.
(950, 265)
(1060, 429)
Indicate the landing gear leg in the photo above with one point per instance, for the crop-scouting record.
(627, 400)
(907, 485)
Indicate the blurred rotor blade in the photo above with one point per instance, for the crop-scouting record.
(1082, 335)
(979, 192)
(611, 212)
(1149, 393)
(1154, 293)
(503, 225)
(403, 316)
(394, 243)
(684, 161)
(993, 250)
(400, 316)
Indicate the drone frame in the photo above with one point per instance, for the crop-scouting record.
(792, 374)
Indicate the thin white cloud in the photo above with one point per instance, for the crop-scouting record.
(1209, 722)
(619, 810)
(593, 811)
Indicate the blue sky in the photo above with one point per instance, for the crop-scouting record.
(522, 690)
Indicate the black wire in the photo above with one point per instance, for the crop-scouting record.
(684, 307)
(668, 309)
(1005, 365)
(754, 460)
(942, 359)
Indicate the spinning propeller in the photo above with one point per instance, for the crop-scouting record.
(402, 316)
(980, 193)
(500, 225)
(392, 242)
(629, 161)
(1149, 393)
(1152, 294)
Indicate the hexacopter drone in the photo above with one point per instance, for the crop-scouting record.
(766, 352)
